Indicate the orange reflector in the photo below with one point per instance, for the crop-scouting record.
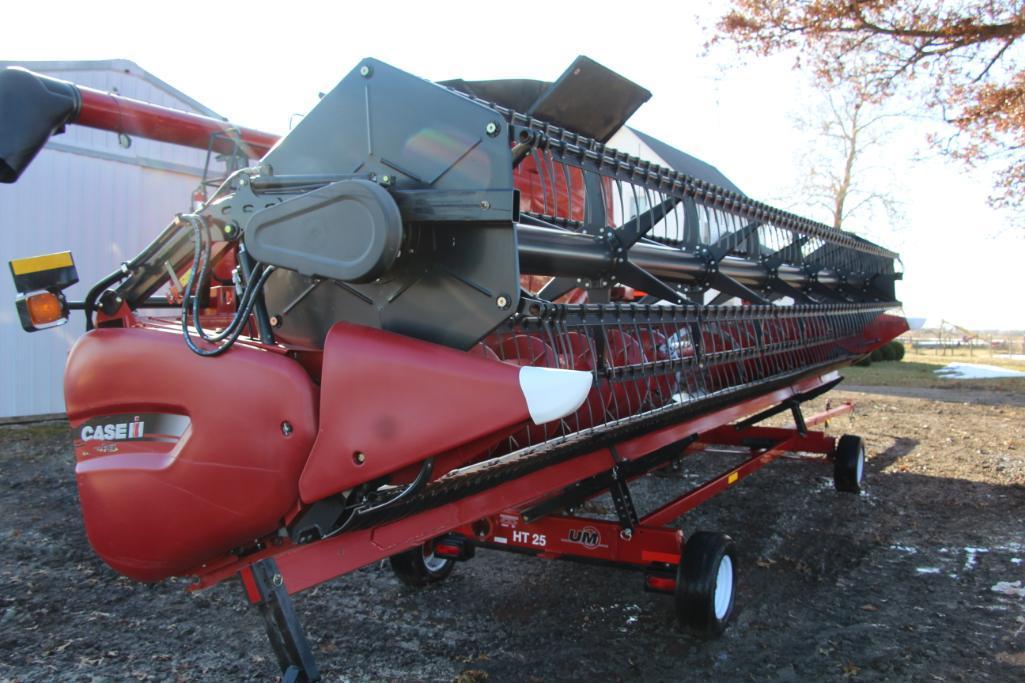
(662, 584)
(44, 308)
(446, 550)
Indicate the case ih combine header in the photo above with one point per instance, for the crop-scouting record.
(432, 318)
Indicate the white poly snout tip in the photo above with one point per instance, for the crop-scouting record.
(552, 393)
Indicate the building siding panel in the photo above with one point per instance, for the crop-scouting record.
(103, 210)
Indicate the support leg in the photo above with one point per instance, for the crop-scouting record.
(621, 497)
(795, 409)
(283, 629)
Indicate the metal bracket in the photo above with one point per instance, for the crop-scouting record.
(795, 410)
(283, 629)
(621, 498)
(577, 493)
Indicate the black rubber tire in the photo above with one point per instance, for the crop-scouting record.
(419, 567)
(849, 464)
(697, 580)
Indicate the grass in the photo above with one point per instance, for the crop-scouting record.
(33, 441)
(914, 371)
(33, 430)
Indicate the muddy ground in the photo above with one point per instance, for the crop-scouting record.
(920, 578)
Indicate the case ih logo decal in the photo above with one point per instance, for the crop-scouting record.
(589, 537)
(140, 427)
(114, 432)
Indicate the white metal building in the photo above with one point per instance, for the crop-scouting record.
(633, 141)
(86, 193)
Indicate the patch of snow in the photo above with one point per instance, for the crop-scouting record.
(927, 570)
(1015, 560)
(911, 550)
(975, 371)
(1008, 588)
(971, 558)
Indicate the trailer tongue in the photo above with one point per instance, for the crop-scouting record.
(432, 318)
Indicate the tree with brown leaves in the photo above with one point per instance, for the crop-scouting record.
(966, 53)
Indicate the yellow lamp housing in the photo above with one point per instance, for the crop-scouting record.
(39, 281)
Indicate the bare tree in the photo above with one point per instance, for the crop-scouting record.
(839, 176)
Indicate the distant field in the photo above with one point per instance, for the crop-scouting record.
(919, 370)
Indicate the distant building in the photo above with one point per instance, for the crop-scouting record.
(642, 145)
(88, 193)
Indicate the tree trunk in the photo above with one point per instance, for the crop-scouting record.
(851, 138)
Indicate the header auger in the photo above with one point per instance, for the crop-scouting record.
(443, 315)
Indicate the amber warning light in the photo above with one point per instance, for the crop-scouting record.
(39, 281)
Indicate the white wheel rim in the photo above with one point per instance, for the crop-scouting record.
(859, 469)
(723, 587)
(433, 563)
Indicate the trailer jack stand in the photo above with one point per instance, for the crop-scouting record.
(283, 629)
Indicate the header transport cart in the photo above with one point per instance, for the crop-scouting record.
(432, 318)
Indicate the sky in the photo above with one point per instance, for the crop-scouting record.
(262, 65)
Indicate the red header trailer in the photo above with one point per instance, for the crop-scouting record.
(435, 318)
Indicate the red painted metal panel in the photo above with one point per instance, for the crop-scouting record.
(155, 509)
(593, 539)
(389, 401)
(553, 190)
(880, 331)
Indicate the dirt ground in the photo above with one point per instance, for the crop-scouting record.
(922, 578)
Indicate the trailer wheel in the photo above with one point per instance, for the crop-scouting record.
(849, 463)
(705, 583)
(419, 566)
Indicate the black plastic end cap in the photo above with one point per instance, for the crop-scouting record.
(32, 108)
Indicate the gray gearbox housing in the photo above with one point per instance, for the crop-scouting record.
(349, 231)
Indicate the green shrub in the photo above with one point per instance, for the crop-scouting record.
(898, 350)
(864, 362)
(887, 353)
(877, 356)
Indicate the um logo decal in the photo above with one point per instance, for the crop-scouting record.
(589, 537)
